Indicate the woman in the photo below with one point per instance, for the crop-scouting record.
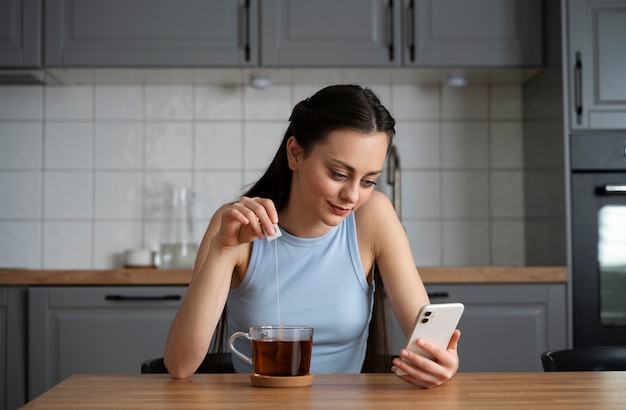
(336, 229)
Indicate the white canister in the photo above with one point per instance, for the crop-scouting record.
(136, 258)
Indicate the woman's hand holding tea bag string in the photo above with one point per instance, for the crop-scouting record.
(246, 220)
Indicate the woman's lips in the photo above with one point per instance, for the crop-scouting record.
(339, 210)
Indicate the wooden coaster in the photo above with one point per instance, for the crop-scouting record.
(284, 381)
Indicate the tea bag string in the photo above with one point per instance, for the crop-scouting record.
(277, 281)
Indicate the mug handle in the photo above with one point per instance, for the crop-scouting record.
(231, 343)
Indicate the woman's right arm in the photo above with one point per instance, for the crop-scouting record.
(224, 247)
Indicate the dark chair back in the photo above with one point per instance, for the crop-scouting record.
(596, 358)
(212, 363)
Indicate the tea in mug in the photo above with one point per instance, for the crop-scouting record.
(281, 357)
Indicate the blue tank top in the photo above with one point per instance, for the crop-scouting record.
(322, 284)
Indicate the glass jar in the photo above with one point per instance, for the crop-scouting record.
(178, 247)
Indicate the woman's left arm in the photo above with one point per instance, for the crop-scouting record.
(391, 251)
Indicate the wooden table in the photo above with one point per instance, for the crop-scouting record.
(571, 390)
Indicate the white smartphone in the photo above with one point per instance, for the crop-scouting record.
(435, 323)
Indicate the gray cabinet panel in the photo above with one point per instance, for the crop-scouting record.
(330, 33)
(161, 33)
(475, 33)
(12, 347)
(596, 33)
(20, 33)
(95, 330)
(504, 327)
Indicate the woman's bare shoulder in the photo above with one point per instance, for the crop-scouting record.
(377, 205)
(374, 215)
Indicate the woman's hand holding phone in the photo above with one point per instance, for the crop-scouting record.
(430, 357)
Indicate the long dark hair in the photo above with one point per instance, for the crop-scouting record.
(337, 107)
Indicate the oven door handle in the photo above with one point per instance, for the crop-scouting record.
(612, 189)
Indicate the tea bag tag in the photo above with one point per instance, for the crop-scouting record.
(271, 237)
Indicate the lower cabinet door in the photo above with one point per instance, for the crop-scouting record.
(12, 347)
(95, 330)
(504, 328)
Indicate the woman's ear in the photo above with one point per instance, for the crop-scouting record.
(294, 153)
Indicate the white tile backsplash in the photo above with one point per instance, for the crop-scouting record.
(465, 103)
(68, 145)
(506, 149)
(419, 144)
(506, 103)
(214, 102)
(118, 195)
(507, 194)
(425, 238)
(465, 194)
(158, 191)
(421, 194)
(261, 140)
(214, 189)
(119, 146)
(85, 170)
(21, 195)
(21, 103)
(111, 239)
(69, 103)
(273, 103)
(466, 243)
(168, 146)
(507, 242)
(22, 145)
(465, 145)
(68, 245)
(119, 103)
(415, 102)
(169, 102)
(68, 195)
(21, 244)
(218, 146)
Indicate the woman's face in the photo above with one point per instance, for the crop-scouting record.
(337, 176)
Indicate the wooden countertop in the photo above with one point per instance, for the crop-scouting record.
(553, 390)
(137, 276)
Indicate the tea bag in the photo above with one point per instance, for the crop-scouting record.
(271, 236)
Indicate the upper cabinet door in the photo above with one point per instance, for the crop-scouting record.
(473, 33)
(330, 33)
(596, 63)
(20, 33)
(159, 33)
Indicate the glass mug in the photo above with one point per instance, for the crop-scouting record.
(277, 350)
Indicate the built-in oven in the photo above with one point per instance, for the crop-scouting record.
(598, 217)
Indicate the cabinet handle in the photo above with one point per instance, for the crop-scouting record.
(246, 18)
(390, 29)
(578, 88)
(432, 295)
(124, 298)
(410, 41)
(612, 189)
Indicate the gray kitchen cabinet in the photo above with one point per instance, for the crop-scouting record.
(466, 33)
(87, 329)
(20, 33)
(474, 33)
(504, 328)
(293, 33)
(301, 33)
(151, 33)
(596, 63)
(12, 347)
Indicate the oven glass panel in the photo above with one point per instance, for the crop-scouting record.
(612, 264)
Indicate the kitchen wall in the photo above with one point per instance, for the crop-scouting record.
(84, 168)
